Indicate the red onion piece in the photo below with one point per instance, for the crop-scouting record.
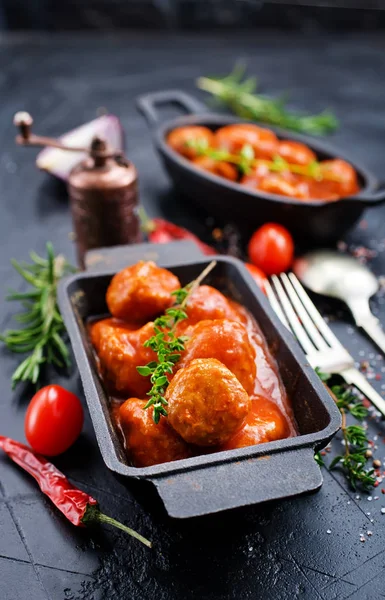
(60, 162)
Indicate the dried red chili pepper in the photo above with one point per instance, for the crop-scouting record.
(79, 508)
(160, 231)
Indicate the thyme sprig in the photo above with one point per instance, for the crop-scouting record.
(246, 161)
(353, 460)
(42, 327)
(168, 346)
(239, 95)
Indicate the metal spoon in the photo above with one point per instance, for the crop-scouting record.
(340, 276)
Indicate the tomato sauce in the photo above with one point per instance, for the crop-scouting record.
(225, 391)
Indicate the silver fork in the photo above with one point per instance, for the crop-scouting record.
(323, 350)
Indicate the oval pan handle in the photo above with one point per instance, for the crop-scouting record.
(240, 483)
(147, 104)
(373, 197)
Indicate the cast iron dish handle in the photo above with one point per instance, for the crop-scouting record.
(371, 197)
(234, 484)
(147, 104)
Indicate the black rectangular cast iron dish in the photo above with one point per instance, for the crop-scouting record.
(316, 221)
(223, 480)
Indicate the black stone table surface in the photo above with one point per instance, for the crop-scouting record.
(309, 547)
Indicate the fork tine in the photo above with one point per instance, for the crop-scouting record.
(306, 321)
(292, 318)
(313, 312)
(275, 304)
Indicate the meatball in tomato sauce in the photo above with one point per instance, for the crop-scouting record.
(180, 137)
(228, 342)
(234, 137)
(206, 403)
(141, 292)
(147, 443)
(121, 350)
(264, 423)
(221, 168)
(296, 153)
(208, 303)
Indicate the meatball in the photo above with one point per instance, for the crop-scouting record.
(296, 153)
(147, 443)
(217, 167)
(233, 137)
(255, 176)
(206, 403)
(346, 182)
(178, 139)
(141, 292)
(228, 342)
(264, 423)
(207, 303)
(285, 184)
(120, 350)
(99, 329)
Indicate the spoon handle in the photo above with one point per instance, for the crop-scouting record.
(365, 319)
(374, 330)
(355, 377)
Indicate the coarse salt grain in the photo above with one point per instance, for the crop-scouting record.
(328, 531)
(383, 511)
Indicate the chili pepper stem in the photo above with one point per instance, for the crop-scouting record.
(147, 225)
(93, 515)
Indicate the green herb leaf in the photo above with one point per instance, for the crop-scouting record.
(240, 97)
(353, 461)
(145, 371)
(167, 346)
(42, 326)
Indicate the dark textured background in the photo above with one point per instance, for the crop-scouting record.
(307, 547)
(306, 15)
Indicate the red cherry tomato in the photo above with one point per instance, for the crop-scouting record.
(53, 421)
(271, 248)
(257, 274)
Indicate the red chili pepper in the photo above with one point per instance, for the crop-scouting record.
(79, 508)
(160, 231)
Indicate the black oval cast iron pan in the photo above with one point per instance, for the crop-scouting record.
(316, 222)
(218, 481)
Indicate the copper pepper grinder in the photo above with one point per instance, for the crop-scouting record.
(103, 191)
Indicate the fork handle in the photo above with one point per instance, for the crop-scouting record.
(356, 378)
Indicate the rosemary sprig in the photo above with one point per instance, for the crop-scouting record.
(356, 443)
(42, 327)
(240, 97)
(246, 160)
(168, 346)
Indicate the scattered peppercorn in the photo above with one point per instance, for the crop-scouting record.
(217, 234)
